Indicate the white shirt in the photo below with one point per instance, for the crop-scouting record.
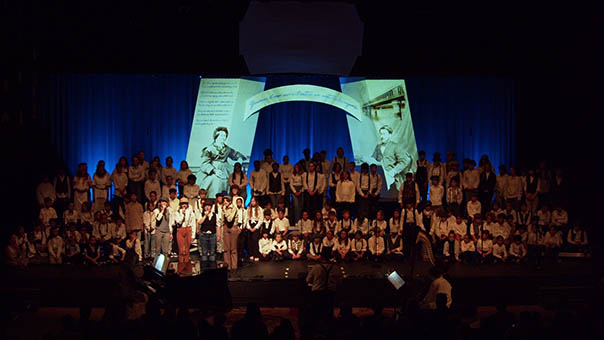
(186, 218)
(364, 183)
(101, 231)
(182, 176)
(439, 286)
(308, 180)
(576, 238)
(441, 228)
(554, 240)
(499, 251)
(342, 246)
(471, 179)
(136, 246)
(358, 246)
(56, 247)
(120, 182)
(286, 171)
(279, 245)
(400, 194)
(517, 250)
(165, 172)
(152, 185)
(47, 214)
(101, 185)
(46, 190)
(136, 173)
(362, 226)
(190, 191)
(514, 187)
(501, 183)
(436, 194)
(345, 192)
(259, 182)
(118, 232)
(484, 246)
(329, 243)
(454, 195)
(296, 181)
(468, 246)
(239, 180)
(460, 229)
(305, 226)
(71, 216)
(395, 225)
(376, 245)
(545, 218)
(165, 191)
(437, 170)
(342, 160)
(382, 225)
(295, 247)
(474, 208)
(447, 250)
(281, 225)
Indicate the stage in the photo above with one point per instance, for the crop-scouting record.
(271, 284)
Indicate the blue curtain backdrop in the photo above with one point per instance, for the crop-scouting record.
(94, 117)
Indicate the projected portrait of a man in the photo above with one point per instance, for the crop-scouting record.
(215, 165)
(395, 161)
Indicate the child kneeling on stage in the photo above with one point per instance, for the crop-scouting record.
(468, 250)
(377, 247)
(358, 247)
(295, 248)
(517, 250)
(265, 245)
(279, 248)
(315, 249)
(451, 248)
(395, 247)
(500, 254)
(341, 249)
(485, 248)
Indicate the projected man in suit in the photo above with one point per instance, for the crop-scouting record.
(214, 169)
(395, 161)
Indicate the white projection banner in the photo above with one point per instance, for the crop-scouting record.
(224, 125)
(310, 93)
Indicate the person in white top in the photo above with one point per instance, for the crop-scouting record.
(395, 222)
(409, 191)
(182, 177)
(468, 250)
(544, 217)
(436, 168)
(500, 253)
(354, 175)
(254, 216)
(451, 248)
(276, 186)
(341, 249)
(361, 223)
(470, 180)
(70, 215)
(56, 248)
(577, 239)
(137, 173)
(437, 192)
(81, 186)
(281, 223)
(149, 231)
(329, 243)
(345, 192)
(168, 171)
(440, 231)
(514, 188)
(377, 246)
(559, 218)
(358, 247)
(315, 248)
(120, 186)
(517, 250)
(380, 222)
(297, 189)
(279, 248)
(265, 247)
(295, 247)
(454, 197)
(340, 159)
(395, 247)
(484, 246)
(314, 186)
(377, 182)
(45, 190)
(238, 178)
(133, 245)
(552, 242)
(500, 186)
(102, 229)
(438, 286)
(459, 227)
(101, 183)
(473, 207)
(118, 230)
(286, 169)
(191, 191)
(259, 183)
(411, 220)
(185, 220)
(152, 184)
(47, 212)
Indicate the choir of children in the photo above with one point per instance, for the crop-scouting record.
(333, 209)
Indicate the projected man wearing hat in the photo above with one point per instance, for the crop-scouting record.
(214, 168)
(395, 160)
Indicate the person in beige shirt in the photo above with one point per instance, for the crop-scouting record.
(134, 215)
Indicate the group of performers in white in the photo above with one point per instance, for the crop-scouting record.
(313, 210)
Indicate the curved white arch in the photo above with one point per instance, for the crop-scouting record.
(310, 93)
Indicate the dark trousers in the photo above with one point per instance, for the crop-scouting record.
(327, 252)
(485, 199)
(242, 241)
(365, 206)
(313, 203)
(468, 257)
(207, 244)
(410, 231)
(252, 243)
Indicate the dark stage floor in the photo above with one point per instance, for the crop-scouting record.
(282, 284)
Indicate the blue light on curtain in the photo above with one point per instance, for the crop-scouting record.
(94, 117)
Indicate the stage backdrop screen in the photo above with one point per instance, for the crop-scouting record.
(226, 115)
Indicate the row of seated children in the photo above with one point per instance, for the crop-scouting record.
(99, 244)
(334, 247)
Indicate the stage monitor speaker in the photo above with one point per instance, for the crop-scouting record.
(209, 290)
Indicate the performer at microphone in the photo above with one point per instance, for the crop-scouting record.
(209, 233)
